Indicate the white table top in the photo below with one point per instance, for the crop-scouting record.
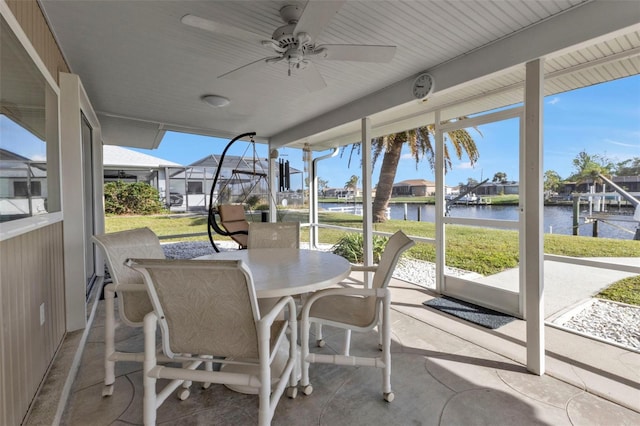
(287, 272)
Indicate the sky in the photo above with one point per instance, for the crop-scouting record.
(603, 119)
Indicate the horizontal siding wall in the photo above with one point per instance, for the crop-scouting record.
(31, 274)
(31, 271)
(33, 23)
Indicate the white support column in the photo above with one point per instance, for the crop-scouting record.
(313, 203)
(73, 165)
(440, 208)
(273, 183)
(307, 158)
(532, 238)
(73, 201)
(367, 217)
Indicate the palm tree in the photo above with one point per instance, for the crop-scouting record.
(352, 184)
(419, 141)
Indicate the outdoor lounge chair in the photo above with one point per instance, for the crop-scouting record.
(358, 309)
(213, 312)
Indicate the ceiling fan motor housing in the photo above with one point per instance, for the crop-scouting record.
(284, 36)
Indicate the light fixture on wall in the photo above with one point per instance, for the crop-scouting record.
(216, 101)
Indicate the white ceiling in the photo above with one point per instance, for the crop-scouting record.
(145, 72)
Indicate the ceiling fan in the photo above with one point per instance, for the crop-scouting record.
(295, 42)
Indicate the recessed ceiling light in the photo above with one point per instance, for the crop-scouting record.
(216, 101)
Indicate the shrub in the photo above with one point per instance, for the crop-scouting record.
(252, 201)
(350, 246)
(131, 198)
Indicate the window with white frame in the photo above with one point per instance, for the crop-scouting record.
(29, 183)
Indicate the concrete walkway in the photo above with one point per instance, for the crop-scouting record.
(565, 284)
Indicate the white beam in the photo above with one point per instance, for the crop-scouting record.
(532, 241)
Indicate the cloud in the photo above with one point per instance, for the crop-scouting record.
(464, 166)
(407, 156)
(39, 157)
(629, 145)
(554, 100)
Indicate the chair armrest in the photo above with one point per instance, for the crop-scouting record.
(379, 293)
(273, 314)
(362, 268)
(130, 287)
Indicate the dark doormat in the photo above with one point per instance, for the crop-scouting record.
(467, 311)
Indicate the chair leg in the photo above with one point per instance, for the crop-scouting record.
(304, 354)
(380, 342)
(208, 366)
(319, 339)
(109, 340)
(186, 385)
(265, 409)
(386, 349)
(347, 342)
(149, 383)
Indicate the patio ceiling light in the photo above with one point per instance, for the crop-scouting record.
(216, 101)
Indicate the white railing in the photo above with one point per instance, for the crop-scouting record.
(356, 210)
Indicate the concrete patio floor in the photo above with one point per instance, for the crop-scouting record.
(445, 371)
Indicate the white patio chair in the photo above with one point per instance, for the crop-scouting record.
(274, 235)
(357, 309)
(267, 235)
(133, 302)
(205, 309)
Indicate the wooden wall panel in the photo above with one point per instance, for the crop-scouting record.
(31, 273)
(34, 24)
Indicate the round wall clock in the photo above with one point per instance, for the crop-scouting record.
(422, 86)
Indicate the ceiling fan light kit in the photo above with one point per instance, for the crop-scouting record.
(294, 43)
(216, 101)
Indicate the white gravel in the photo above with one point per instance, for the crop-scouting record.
(607, 320)
(611, 321)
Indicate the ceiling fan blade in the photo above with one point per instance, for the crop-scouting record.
(312, 78)
(220, 28)
(245, 69)
(356, 52)
(316, 16)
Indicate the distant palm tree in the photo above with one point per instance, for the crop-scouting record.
(352, 184)
(419, 141)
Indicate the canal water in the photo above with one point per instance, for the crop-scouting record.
(557, 219)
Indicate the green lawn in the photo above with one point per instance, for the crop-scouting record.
(482, 250)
